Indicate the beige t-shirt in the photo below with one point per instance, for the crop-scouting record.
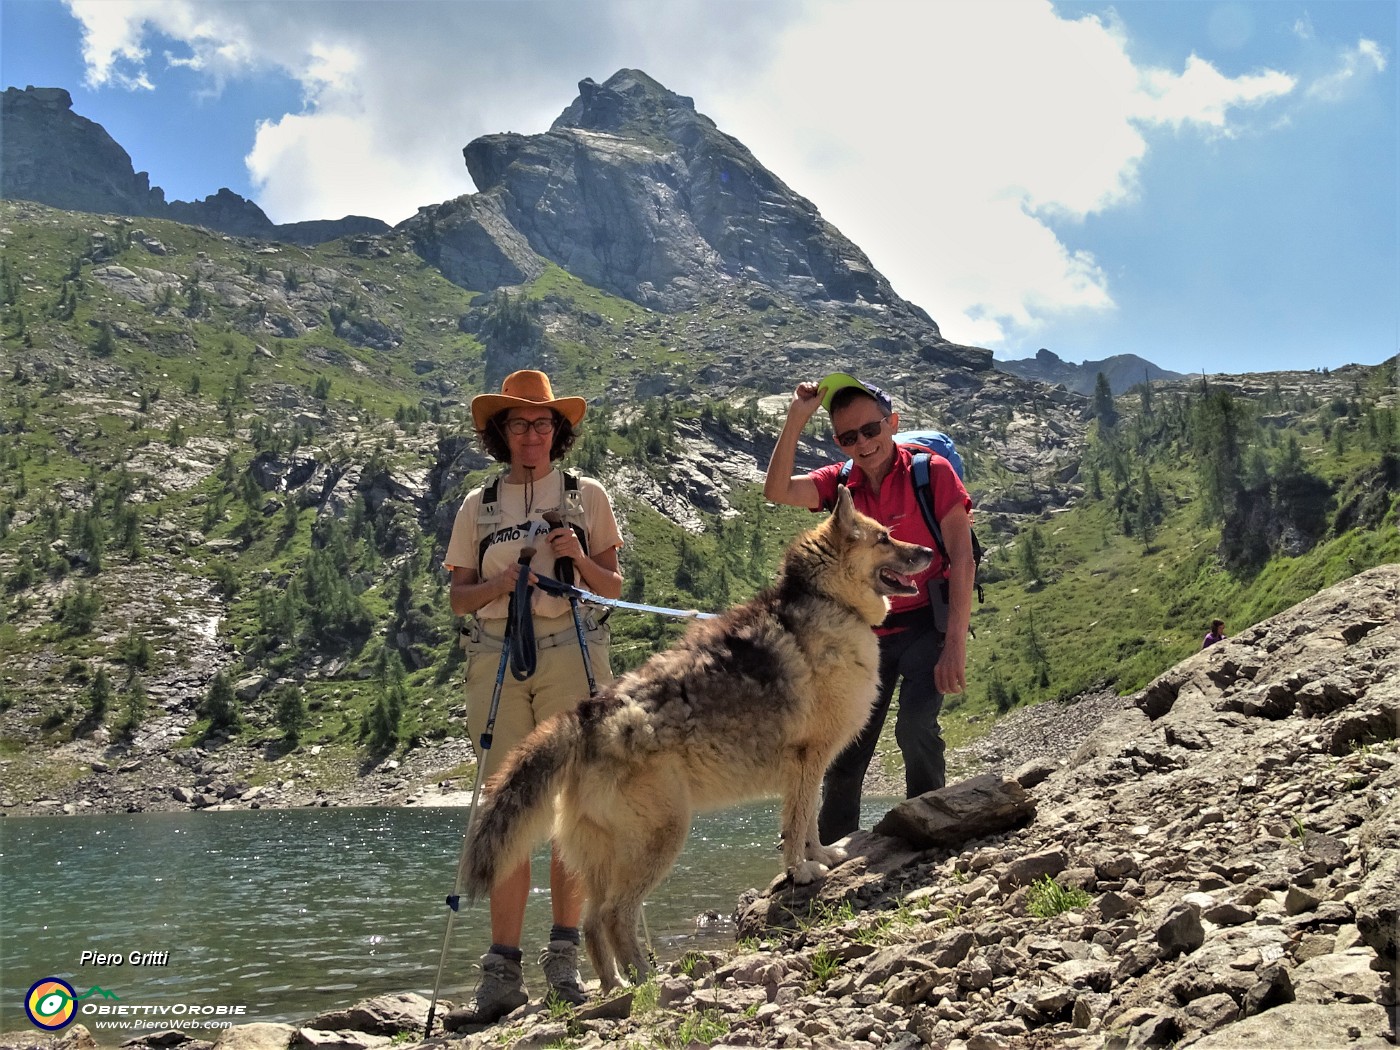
(519, 529)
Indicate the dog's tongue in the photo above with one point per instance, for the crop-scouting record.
(899, 578)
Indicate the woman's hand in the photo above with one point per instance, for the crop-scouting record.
(564, 543)
(506, 579)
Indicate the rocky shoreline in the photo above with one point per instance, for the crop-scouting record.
(241, 777)
(112, 780)
(1216, 865)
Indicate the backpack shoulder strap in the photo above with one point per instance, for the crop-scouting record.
(923, 495)
(488, 518)
(573, 497)
(572, 508)
(843, 477)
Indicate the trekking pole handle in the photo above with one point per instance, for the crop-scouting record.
(564, 567)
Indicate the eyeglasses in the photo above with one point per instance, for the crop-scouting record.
(543, 425)
(869, 431)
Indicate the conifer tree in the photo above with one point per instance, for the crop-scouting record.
(133, 708)
(99, 696)
(1028, 549)
(220, 705)
(291, 711)
(1218, 442)
(1104, 411)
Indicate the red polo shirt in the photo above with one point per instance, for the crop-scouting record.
(897, 508)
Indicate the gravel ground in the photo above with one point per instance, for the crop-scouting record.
(1053, 730)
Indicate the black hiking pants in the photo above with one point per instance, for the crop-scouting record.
(907, 659)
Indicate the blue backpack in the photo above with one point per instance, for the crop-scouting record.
(931, 442)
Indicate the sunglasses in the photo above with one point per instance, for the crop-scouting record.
(869, 431)
(539, 426)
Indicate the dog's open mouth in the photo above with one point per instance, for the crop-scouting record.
(893, 583)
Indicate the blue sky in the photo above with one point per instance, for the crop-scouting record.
(1210, 185)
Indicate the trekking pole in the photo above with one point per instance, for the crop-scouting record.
(454, 899)
(565, 568)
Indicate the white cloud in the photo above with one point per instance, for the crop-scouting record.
(112, 50)
(950, 141)
(1202, 95)
(958, 143)
(1365, 59)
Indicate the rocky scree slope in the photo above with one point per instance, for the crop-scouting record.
(1234, 833)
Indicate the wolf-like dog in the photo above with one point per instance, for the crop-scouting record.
(755, 702)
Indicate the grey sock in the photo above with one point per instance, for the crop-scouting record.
(564, 933)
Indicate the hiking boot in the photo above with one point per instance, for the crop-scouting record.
(560, 965)
(502, 989)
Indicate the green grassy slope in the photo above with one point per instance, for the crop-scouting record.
(152, 373)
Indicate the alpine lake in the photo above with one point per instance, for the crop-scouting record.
(288, 913)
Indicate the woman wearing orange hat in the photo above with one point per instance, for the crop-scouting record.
(527, 428)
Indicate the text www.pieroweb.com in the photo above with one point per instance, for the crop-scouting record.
(182, 1023)
(178, 1015)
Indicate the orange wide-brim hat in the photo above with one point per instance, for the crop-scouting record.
(526, 389)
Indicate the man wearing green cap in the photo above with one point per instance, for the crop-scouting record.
(924, 662)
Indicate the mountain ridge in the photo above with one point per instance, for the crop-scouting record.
(1123, 371)
(51, 155)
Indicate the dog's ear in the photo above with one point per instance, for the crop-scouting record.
(844, 513)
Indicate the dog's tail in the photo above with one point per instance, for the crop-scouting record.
(516, 810)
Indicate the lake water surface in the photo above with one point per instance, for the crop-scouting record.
(289, 913)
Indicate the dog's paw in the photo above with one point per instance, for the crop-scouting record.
(806, 872)
(828, 855)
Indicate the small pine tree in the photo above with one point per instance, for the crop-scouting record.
(133, 708)
(78, 610)
(1035, 651)
(1104, 411)
(999, 696)
(136, 651)
(220, 705)
(106, 343)
(1028, 550)
(99, 696)
(290, 712)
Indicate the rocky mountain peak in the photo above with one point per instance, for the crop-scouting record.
(226, 211)
(636, 193)
(46, 98)
(628, 103)
(54, 156)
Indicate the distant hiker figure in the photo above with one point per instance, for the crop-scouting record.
(1215, 634)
